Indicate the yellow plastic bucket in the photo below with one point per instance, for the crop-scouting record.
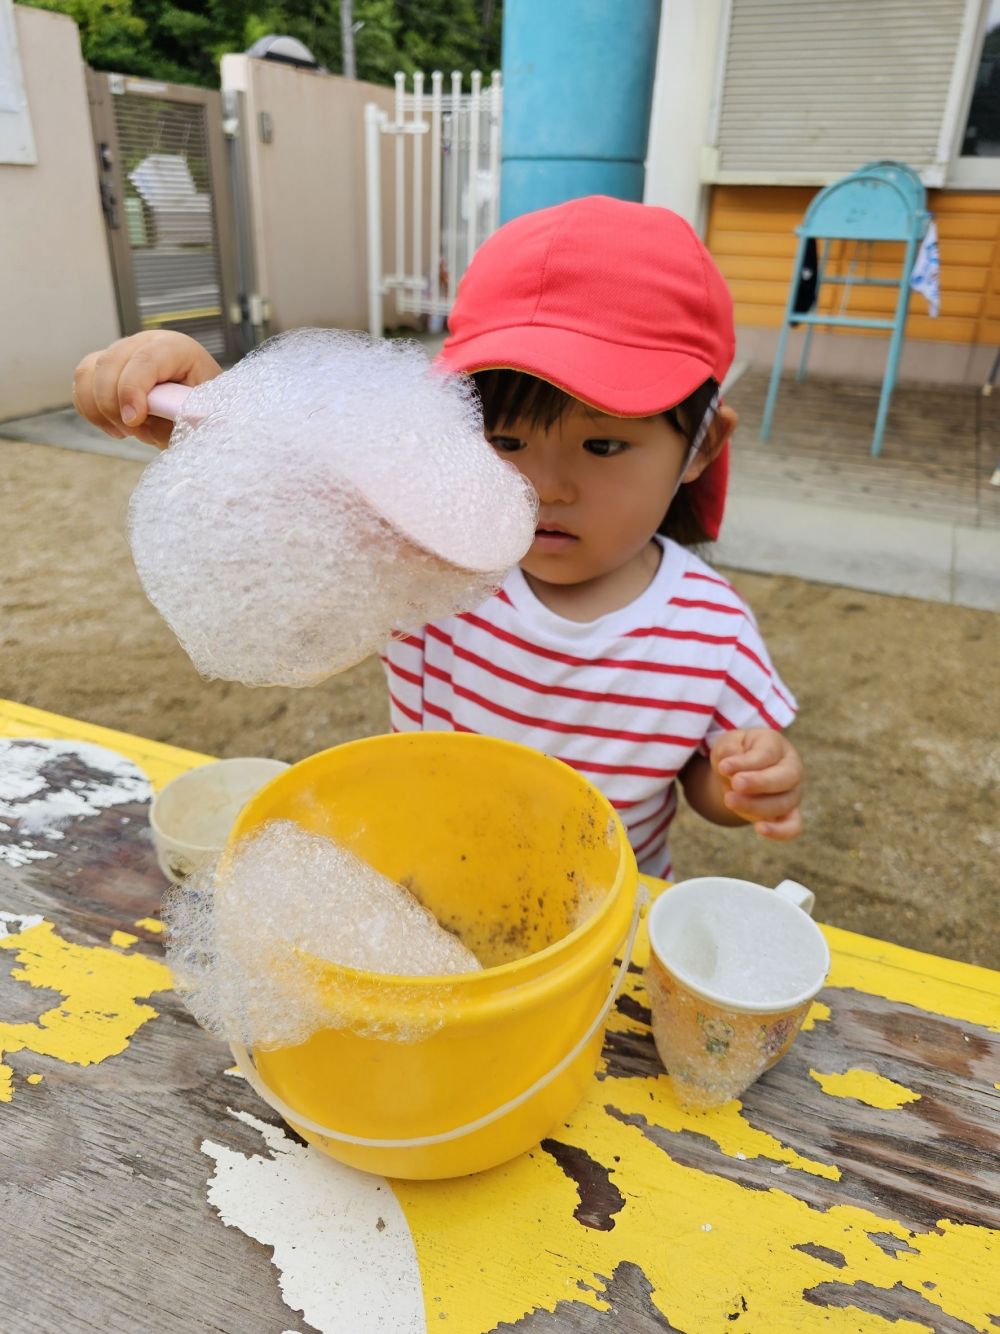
(442, 1076)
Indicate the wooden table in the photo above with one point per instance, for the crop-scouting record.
(145, 1188)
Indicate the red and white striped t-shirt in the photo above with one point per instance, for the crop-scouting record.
(626, 699)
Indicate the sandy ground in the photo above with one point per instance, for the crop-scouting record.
(898, 722)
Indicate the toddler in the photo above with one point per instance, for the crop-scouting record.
(598, 333)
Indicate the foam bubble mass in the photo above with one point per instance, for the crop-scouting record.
(325, 492)
(247, 940)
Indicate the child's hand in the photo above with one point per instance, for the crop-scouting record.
(761, 774)
(110, 386)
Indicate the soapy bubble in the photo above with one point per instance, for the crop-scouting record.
(327, 491)
(248, 940)
(744, 949)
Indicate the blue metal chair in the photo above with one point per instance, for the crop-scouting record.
(883, 201)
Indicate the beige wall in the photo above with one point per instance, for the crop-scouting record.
(57, 298)
(308, 191)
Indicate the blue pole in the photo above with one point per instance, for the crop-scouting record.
(578, 87)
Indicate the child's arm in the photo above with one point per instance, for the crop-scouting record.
(753, 775)
(110, 386)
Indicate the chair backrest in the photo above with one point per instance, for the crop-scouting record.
(882, 201)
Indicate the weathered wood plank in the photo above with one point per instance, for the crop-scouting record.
(108, 1165)
(107, 1226)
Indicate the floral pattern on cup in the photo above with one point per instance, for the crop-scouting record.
(777, 1036)
(713, 1055)
(718, 1034)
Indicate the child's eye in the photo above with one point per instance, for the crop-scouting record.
(506, 444)
(605, 448)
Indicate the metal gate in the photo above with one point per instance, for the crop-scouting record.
(454, 139)
(165, 195)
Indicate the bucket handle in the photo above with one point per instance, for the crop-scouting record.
(251, 1074)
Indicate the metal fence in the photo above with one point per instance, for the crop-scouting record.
(451, 142)
(165, 196)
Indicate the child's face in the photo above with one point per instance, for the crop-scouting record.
(604, 484)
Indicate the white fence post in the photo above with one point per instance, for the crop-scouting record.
(464, 186)
(435, 275)
(398, 123)
(495, 115)
(453, 169)
(418, 183)
(373, 174)
(472, 197)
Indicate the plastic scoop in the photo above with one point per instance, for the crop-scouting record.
(325, 493)
(388, 496)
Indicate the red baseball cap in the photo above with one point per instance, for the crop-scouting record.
(619, 304)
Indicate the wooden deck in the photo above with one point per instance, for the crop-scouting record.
(941, 445)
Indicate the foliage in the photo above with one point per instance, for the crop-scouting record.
(182, 41)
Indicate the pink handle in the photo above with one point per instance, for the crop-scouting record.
(167, 400)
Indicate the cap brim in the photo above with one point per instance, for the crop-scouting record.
(623, 381)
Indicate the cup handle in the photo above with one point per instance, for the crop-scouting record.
(798, 894)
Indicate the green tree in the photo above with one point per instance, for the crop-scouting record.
(182, 41)
(113, 36)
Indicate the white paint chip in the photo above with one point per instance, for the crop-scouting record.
(13, 924)
(39, 811)
(335, 1264)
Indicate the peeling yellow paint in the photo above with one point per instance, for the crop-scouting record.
(159, 762)
(6, 1083)
(35, 1079)
(651, 1097)
(940, 986)
(535, 1254)
(122, 939)
(867, 1087)
(703, 1241)
(151, 924)
(100, 1009)
(818, 1014)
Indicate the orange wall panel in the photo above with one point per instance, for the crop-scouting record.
(751, 233)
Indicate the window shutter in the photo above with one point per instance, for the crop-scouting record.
(815, 88)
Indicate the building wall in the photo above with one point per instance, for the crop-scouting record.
(307, 189)
(57, 299)
(680, 120)
(751, 235)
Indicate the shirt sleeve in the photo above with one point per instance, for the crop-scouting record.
(403, 662)
(752, 693)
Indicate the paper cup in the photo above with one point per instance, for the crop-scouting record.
(191, 817)
(733, 969)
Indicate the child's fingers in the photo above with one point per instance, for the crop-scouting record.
(154, 431)
(782, 830)
(763, 808)
(780, 777)
(757, 750)
(728, 749)
(145, 368)
(104, 384)
(83, 397)
(158, 358)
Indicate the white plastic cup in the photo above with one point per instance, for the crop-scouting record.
(191, 817)
(733, 969)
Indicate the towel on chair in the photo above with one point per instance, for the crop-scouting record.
(926, 275)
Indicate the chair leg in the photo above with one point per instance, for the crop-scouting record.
(779, 354)
(810, 328)
(895, 348)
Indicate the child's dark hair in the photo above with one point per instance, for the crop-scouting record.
(509, 396)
